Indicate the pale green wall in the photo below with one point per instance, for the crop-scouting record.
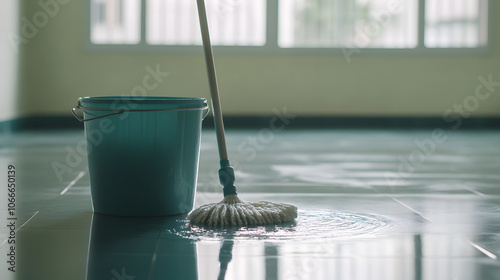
(58, 70)
(8, 59)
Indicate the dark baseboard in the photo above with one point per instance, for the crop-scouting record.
(42, 123)
(336, 122)
(299, 122)
(9, 126)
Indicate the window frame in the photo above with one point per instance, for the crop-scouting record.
(272, 47)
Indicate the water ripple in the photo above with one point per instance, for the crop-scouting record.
(309, 225)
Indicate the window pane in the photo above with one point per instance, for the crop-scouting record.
(232, 22)
(115, 21)
(348, 23)
(455, 23)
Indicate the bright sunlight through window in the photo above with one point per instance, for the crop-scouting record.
(344, 23)
(294, 24)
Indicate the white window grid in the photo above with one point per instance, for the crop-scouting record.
(272, 45)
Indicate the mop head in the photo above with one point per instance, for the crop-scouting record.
(232, 211)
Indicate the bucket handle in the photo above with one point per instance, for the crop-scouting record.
(206, 113)
(120, 111)
(73, 111)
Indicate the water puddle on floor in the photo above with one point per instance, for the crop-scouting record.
(310, 225)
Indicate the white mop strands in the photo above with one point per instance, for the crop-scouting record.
(231, 211)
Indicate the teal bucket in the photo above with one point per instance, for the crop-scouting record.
(142, 153)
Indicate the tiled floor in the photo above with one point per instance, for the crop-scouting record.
(372, 205)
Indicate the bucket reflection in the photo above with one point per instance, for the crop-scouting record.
(140, 248)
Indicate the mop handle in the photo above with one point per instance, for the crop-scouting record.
(212, 80)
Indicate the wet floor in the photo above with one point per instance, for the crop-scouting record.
(372, 205)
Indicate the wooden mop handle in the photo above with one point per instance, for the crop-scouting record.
(212, 80)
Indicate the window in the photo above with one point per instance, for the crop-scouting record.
(455, 24)
(340, 23)
(232, 23)
(284, 25)
(115, 21)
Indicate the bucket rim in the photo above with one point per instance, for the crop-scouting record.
(137, 104)
(144, 100)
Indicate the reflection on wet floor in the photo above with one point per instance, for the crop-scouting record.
(360, 217)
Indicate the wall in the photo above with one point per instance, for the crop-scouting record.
(9, 59)
(58, 70)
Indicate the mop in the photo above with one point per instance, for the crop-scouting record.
(231, 211)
